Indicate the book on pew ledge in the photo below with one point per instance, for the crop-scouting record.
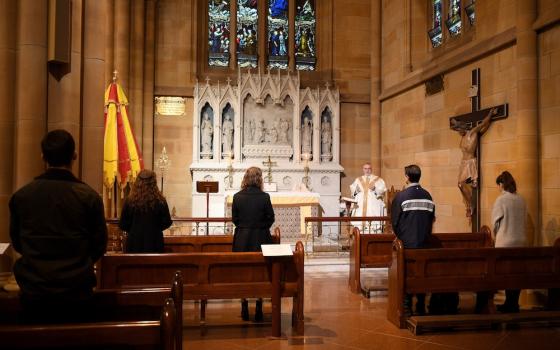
(276, 250)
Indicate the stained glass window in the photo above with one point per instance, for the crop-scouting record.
(218, 32)
(277, 28)
(435, 33)
(454, 17)
(470, 12)
(247, 29)
(305, 35)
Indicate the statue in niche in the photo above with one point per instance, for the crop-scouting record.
(227, 135)
(306, 132)
(207, 132)
(260, 131)
(326, 136)
(283, 129)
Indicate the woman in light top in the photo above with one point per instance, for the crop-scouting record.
(508, 218)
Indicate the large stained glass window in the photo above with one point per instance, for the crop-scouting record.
(435, 33)
(247, 29)
(305, 35)
(218, 32)
(277, 29)
(454, 17)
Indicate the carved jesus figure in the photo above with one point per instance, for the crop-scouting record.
(468, 170)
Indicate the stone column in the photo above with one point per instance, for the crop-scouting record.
(94, 84)
(30, 90)
(526, 172)
(122, 42)
(109, 24)
(149, 76)
(8, 12)
(375, 80)
(136, 78)
(64, 87)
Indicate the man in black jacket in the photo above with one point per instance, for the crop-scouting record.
(412, 216)
(57, 224)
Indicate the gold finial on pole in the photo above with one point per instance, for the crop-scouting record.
(115, 74)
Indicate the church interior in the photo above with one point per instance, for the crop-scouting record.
(309, 91)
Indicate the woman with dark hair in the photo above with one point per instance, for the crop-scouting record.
(145, 215)
(508, 219)
(252, 216)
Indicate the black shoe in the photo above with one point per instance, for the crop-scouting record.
(507, 308)
(245, 310)
(258, 311)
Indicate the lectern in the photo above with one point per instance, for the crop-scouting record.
(207, 187)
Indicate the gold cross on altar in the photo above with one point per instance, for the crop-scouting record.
(269, 164)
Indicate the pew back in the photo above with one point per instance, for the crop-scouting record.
(374, 250)
(468, 269)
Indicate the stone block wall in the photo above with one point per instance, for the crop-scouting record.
(549, 135)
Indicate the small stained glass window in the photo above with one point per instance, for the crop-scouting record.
(218, 32)
(453, 21)
(247, 29)
(469, 9)
(305, 35)
(277, 28)
(435, 33)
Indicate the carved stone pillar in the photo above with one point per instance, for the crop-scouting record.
(64, 87)
(149, 76)
(375, 81)
(526, 172)
(94, 84)
(122, 42)
(7, 71)
(136, 74)
(30, 90)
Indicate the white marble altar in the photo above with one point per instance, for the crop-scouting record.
(272, 116)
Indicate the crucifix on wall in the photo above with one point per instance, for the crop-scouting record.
(471, 126)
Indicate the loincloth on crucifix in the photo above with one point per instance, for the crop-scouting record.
(468, 172)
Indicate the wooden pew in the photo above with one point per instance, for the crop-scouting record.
(471, 269)
(159, 334)
(218, 275)
(204, 244)
(374, 251)
(121, 317)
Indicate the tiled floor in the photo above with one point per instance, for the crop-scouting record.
(337, 319)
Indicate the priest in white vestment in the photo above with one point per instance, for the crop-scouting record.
(369, 192)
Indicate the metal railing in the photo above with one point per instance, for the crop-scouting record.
(332, 234)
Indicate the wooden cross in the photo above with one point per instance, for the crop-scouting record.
(269, 164)
(465, 123)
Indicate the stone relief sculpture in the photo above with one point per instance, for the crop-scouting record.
(326, 138)
(249, 130)
(260, 131)
(206, 130)
(306, 134)
(284, 127)
(227, 135)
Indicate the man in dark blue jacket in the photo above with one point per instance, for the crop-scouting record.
(412, 216)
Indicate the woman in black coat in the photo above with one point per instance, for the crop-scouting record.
(145, 215)
(252, 216)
